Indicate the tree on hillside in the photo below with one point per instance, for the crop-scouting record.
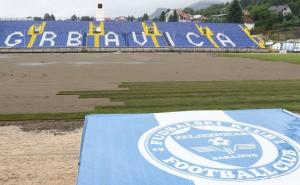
(162, 16)
(214, 9)
(175, 16)
(295, 6)
(245, 3)
(190, 11)
(74, 18)
(131, 18)
(86, 18)
(47, 17)
(235, 13)
(145, 17)
(263, 17)
(52, 17)
(259, 12)
(37, 18)
(155, 19)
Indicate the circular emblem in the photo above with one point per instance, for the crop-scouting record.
(218, 150)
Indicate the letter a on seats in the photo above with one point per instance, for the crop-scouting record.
(224, 40)
(115, 39)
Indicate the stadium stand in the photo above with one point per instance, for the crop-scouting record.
(113, 34)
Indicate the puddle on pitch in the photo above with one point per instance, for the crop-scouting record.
(103, 62)
(35, 63)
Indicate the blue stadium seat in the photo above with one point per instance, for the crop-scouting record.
(184, 35)
(123, 34)
(234, 33)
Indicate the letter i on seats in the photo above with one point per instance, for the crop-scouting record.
(96, 32)
(34, 31)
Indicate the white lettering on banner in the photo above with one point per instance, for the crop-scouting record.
(169, 39)
(297, 47)
(286, 162)
(225, 40)
(288, 46)
(48, 36)
(16, 41)
(74, 39)
(138, 42)
(114, 40)
(188, 36)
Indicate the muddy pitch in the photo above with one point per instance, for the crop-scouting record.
(31, 81)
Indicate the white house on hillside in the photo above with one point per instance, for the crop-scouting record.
(281, 9)
(182, 16)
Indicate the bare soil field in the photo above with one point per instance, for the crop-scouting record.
(47, 152)
(32, 153)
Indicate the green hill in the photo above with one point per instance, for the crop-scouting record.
(270, 16)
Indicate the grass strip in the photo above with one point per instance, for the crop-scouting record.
(275, 57)
(151, 97)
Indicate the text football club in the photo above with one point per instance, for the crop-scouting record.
(220, 151)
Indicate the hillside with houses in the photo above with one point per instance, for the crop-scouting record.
(278, 19)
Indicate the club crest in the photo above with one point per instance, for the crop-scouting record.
(220, 151)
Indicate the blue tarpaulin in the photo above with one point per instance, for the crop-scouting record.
(249, 147)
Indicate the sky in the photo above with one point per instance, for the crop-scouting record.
(66, 8)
